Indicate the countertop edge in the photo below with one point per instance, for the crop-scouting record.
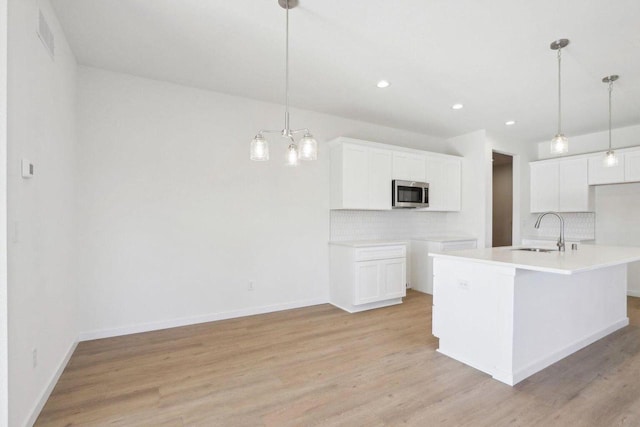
(557, 270)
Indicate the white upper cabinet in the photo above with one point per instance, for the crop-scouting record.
(362, 172)
(627, 169)
(574, 194)
(566, 184)
(350, 168)
(632, 166)
(560, 185)
(380, 176)
(443, 174)
(360, 177)
(408, 166)
(545, 189)
(600, 174)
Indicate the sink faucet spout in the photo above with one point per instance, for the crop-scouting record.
(561, 242)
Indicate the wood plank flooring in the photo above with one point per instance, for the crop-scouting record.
(320, 366)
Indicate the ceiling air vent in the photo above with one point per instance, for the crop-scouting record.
(45, 34)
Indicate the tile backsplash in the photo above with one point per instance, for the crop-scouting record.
(378, 225)
(577, 226)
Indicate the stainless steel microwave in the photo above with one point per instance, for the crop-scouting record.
(409, 194)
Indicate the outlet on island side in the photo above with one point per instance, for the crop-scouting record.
(34, 358)
(250, 287)
(463, 285)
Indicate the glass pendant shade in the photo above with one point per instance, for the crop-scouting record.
(308, 148)
(610, 159)
(259, 149)
(292, 155)
(559, 144)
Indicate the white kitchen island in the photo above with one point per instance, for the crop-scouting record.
(511, 313)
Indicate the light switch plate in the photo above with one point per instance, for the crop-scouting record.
(27, 169)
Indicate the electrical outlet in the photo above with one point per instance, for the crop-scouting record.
(34, 357)
(250, 285)
(463, 284)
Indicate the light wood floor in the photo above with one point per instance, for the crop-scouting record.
(322, 366)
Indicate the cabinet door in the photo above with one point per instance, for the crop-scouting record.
(452, 184)
(435, 177)
(380, 176)
(408, 166)
(632, 166)
(544, 186)
(444, 178)
(368, 274)
(574, 185)
(355, 177)
(393, 280)
(600, 174)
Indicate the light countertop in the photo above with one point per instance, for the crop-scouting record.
(587, 257)
(444, 238)
(369, 243)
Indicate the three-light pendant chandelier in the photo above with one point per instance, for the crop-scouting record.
(307, 149)
(560, 143)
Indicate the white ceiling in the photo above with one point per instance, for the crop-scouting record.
(491, 55)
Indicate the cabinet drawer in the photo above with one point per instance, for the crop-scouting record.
(381, 252)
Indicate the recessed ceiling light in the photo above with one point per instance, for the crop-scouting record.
(510, 122)
(383, 83)
(457, 106)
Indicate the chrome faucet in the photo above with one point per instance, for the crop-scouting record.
(560, 243)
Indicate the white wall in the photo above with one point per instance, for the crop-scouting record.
(475, 217)
(4, 346)
(617, 223)
(472, 217)
(41, 264)
(175, 220)
(593, 142)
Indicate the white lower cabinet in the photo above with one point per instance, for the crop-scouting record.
(379, 280)
(366, 277)
(422, 264)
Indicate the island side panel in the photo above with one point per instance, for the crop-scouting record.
(473, 314)
(556, 315)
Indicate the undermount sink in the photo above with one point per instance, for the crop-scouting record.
(535, 249)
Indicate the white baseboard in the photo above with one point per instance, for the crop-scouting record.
(633, 293)
(566, 351)
(513, 378)
(185, 321)
(52, 383)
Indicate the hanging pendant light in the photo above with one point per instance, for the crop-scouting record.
(308, 149)
(559, 143)
(610, 158)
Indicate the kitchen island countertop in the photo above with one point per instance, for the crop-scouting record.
(586, 258)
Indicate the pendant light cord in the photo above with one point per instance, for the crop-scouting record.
(559, 92)
(610, 90)
(286, 90)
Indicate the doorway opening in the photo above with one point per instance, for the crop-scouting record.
(502, 221)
